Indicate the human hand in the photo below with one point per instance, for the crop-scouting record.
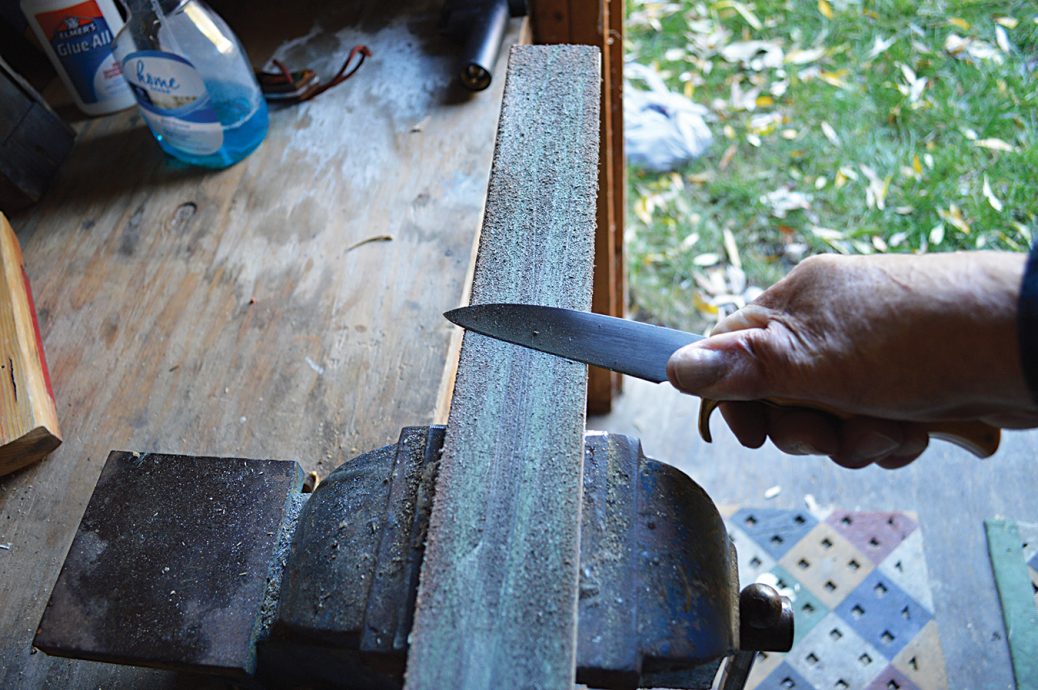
(888, 342)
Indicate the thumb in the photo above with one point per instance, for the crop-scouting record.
(728, 366)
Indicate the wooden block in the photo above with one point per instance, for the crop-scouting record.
(28, 420)
(498, 593)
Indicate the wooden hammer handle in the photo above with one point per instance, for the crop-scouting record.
(977, 437)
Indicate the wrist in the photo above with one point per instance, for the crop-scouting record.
(997, 278)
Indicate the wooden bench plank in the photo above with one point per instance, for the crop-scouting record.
(237, 313)
(498, 593)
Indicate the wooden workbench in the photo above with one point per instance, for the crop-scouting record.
(288, 307)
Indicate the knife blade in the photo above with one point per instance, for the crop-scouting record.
(642, 350)
(629, 347)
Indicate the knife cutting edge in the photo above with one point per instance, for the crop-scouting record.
(642, 350)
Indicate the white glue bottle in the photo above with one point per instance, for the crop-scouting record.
(77, 37)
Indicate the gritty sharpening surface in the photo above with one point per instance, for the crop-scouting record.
(498, 593)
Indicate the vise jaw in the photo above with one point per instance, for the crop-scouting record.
(224, 567)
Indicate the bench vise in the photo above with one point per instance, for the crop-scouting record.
(225, 567)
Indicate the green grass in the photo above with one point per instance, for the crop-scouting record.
(926, 152)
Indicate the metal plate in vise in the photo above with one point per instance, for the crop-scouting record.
(170, 564)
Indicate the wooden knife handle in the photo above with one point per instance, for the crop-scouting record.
(977, 437)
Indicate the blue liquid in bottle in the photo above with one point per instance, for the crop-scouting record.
(244, 121)
(193, 83)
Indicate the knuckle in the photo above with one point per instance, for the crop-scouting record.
(819, 263)
(775, 360)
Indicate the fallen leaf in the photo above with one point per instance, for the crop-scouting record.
(789, 134)
(879, 243)
(990, 196)
(834, 78)
(689, 241)
(1008, 22)
(937, 234)
(765, 124)
(748, 16)
(821, 181)
(917, 166)
(954, 216)
(913, 86)
(843, 175)
(956, 44)
(966, 48)
(727, 157)
(732, 250)
(862, 247)
(702, 305)
(755, 55)
(995, 145)
(782, 201)
(704, 260)
(880, 46)
(753, 140)
(743, 100)
(825, 8)
(809, 73)
(921, 48)
(876, 192)
(1002, 39)
(961, 23)
(1023, 230)
(830, 133)
(765, 101)
(904, 210)
(729, 132)
(826, 233)
(798, 56)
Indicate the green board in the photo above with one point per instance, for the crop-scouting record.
(1013, 577)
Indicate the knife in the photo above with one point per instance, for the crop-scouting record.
(642, 350)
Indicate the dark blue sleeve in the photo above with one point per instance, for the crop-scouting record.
(1027, 322)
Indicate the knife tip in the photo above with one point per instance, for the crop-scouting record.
(452, 315)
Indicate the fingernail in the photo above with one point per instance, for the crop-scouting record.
(875, 444)
(695, 368)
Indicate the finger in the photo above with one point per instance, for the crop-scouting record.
(748, 421)
(802, 431)
(725, 367)
(864, 440)
(750, 316)
(914, 441)
(895, 462)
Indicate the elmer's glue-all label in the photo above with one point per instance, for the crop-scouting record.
(77, 37)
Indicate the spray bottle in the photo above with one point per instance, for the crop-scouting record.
(193, 82)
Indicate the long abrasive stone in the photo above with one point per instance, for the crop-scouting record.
(497, 599)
